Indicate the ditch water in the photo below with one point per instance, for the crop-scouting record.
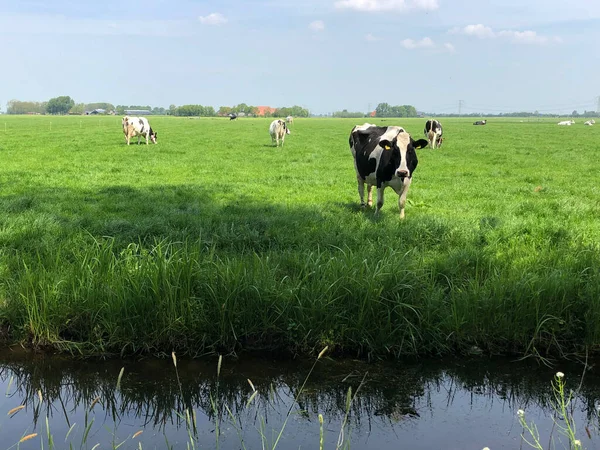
(442, 404)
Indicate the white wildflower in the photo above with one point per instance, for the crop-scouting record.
(559, 375)
(577, 443)
(520, 413)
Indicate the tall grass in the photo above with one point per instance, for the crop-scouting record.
(214, 241)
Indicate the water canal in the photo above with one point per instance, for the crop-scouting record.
(443, 404)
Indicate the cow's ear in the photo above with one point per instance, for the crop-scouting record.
(385, 144)
(421, 143)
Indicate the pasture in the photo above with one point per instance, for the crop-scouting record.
(214, 240)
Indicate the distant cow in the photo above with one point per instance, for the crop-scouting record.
(232, 116)
(590, 122)
(480, 122)
(137, 126)
(278, 130)
(567, 123)
(289, 119)
(433, 133)
(384, 156)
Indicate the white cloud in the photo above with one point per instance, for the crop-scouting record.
(479, 30)
(370, 38)
(411, 44)
(317, 25)
(449, 47)
(213, 19)
(388, 5)
(518, 37)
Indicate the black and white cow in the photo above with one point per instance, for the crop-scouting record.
(433, 133)
(138, 126)
(232, 116)
(278, 129)
(384, 156)
(480, 122)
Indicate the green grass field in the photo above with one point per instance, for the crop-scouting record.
(214, 240)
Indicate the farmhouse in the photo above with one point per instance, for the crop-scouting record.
(262, 111)
(137, 112)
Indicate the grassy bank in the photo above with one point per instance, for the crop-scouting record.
(213, 240)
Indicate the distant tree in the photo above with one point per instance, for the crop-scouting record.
(383, 110)
(575, 114)
(79, 108)
(20, 107)
(224, 110)
(294, 111)
(346, 114)
(60, 105)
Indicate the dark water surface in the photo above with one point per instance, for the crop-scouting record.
(450, 404)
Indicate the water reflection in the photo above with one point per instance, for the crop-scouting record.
(442, 404)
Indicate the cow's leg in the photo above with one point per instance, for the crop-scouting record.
(402, 197)
(370, 194)
(361, 191)
(282, 139)
(379, 199)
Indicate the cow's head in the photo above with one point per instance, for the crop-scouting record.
(153, 135)
(287, 130)
(402, 153)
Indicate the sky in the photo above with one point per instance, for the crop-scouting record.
(325, 55)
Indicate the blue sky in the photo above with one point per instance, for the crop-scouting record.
(325, 55)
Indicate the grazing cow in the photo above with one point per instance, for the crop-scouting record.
(480, 122)
(567, 123)
(433, 132)
(590, 122)
(232, 116)
(384, 156)
(278, 130)
(138, 126)
(289, 119)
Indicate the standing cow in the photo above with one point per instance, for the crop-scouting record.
(278, 130)
(433, 133)
(138, 126)
(384, 156)
(233, 116)
(289, 119)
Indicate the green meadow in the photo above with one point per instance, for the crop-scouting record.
(213, 240)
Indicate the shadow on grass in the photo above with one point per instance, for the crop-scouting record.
(235, 221)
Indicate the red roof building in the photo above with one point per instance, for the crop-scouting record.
(264, 110)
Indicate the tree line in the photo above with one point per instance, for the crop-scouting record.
(382, 110)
